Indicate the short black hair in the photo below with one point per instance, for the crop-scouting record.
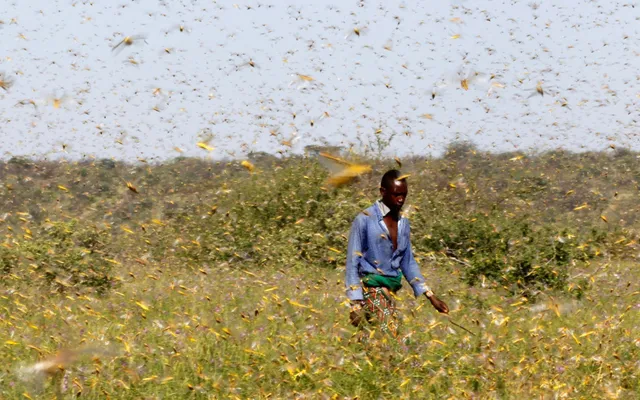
(388, 178)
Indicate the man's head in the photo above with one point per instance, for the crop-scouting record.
(393, 190)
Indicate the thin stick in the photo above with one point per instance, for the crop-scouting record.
(459, 326)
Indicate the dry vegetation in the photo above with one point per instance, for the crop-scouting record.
(205, 280)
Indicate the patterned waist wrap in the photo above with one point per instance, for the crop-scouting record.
(379, 305)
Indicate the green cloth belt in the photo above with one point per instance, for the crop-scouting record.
(393, 283)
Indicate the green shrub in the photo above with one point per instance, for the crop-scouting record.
(510, 252)
(61, 255)
(8, 260)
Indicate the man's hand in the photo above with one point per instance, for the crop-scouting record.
(356, 316)
(438, 304)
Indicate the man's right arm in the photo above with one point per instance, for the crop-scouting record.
(354, 254)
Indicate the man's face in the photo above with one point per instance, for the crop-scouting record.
(395, 195)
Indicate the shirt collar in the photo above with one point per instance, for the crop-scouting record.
(384, 210)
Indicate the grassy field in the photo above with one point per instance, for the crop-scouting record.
(228, 333)
(223, 284)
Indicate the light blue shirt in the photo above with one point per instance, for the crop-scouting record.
(370, 251)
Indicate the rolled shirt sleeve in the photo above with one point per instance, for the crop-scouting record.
(354, 255)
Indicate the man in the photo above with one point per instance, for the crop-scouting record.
(379, 255)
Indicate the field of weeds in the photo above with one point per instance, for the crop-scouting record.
(209, 281)
(230, 333)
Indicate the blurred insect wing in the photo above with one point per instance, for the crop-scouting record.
(348, 174)
(131, 187)
(247, 165)
(332, 163)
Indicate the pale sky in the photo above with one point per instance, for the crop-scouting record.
(585, 53)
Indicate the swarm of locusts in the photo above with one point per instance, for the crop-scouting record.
(221, 273)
